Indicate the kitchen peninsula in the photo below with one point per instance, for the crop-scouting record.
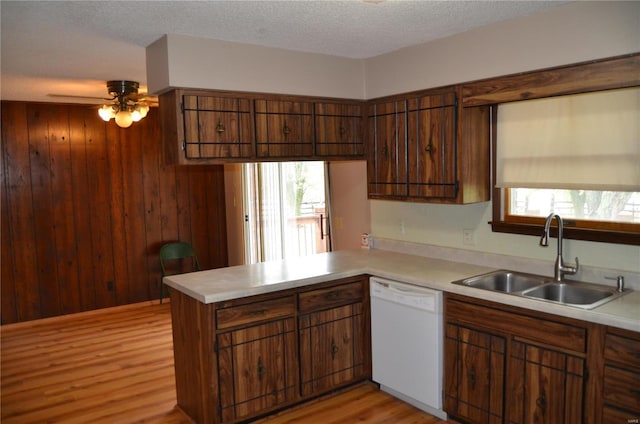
(253, 339)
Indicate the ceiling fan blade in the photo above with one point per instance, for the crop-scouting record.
(144, 97)
(151, 100)
(73, 96)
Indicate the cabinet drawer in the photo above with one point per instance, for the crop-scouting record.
(255, 312)
(621, 388)
(330, 296)
(542, 330)
(622, 350)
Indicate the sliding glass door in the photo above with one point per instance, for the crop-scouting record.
(286, 214)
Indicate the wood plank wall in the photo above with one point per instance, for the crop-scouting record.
(86, 205)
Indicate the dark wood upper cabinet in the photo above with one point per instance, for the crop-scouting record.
(339, 130)
(431, 143)
(426, 147)
(387, 158)
(284, 129)
(217, 127)
(208, 127)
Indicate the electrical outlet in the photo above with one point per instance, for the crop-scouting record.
(403, 229)
(469, 237)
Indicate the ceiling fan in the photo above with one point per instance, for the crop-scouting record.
(152, 100)
(125, 103)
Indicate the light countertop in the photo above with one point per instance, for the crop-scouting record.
(247, 280)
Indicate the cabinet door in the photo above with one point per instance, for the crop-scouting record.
(544, 386)
(339, 130)
(387, 162)
(432, 146)
(621, 395)
(331, 348)
(283, 129)
(474, 375)
(257, 368)
(217, 127)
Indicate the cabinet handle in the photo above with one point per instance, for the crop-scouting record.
(429, 148)
(341, 131)
(334, 349)
(332, 295)
(472, 378)
(260, 368)
(384, 151)
(286, 130)
(541, 402)
(258, 312)
(220, 127)
(634, 392)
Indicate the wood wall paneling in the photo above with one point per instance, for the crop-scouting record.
(86, 207)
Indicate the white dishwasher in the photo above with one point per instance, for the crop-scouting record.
(406, 342)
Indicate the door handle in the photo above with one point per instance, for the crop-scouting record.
(322, 233)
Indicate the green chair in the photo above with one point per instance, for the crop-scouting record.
(177, 251)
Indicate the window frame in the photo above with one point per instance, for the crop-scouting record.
(502, 222)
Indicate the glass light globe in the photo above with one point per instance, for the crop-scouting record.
(106, 112)
(136, 115)
(144, 109)
(123, 119)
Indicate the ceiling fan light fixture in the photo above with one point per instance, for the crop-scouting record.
(122, 88)
(126, 107)
(106, 112)
(124, 119)
(139, 111)
(144, 109)
(136, 115)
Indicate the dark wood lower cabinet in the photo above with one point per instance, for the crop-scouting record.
(621, 384)
(255, 368)
(545, 386)
(239, 359)
(331, 348)
(516, 366)
(475, 368)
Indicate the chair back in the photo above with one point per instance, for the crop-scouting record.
(175, 251)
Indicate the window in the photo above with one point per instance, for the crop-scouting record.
(605, 209)
(577, 156)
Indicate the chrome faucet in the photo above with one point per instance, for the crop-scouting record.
(559, 269)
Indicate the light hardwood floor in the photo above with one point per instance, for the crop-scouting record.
(116, 366)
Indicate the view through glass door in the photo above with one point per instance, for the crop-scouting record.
(286, 214)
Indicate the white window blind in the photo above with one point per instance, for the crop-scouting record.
(585, 142)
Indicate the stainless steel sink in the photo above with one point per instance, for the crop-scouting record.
(571, 293)
(504, 281)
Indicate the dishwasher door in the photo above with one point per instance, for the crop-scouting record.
(406, 342)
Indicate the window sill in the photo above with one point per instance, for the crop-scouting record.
(617, 237)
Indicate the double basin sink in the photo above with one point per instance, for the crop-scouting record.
(571, 293)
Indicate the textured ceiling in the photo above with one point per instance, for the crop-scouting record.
(72, 47)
